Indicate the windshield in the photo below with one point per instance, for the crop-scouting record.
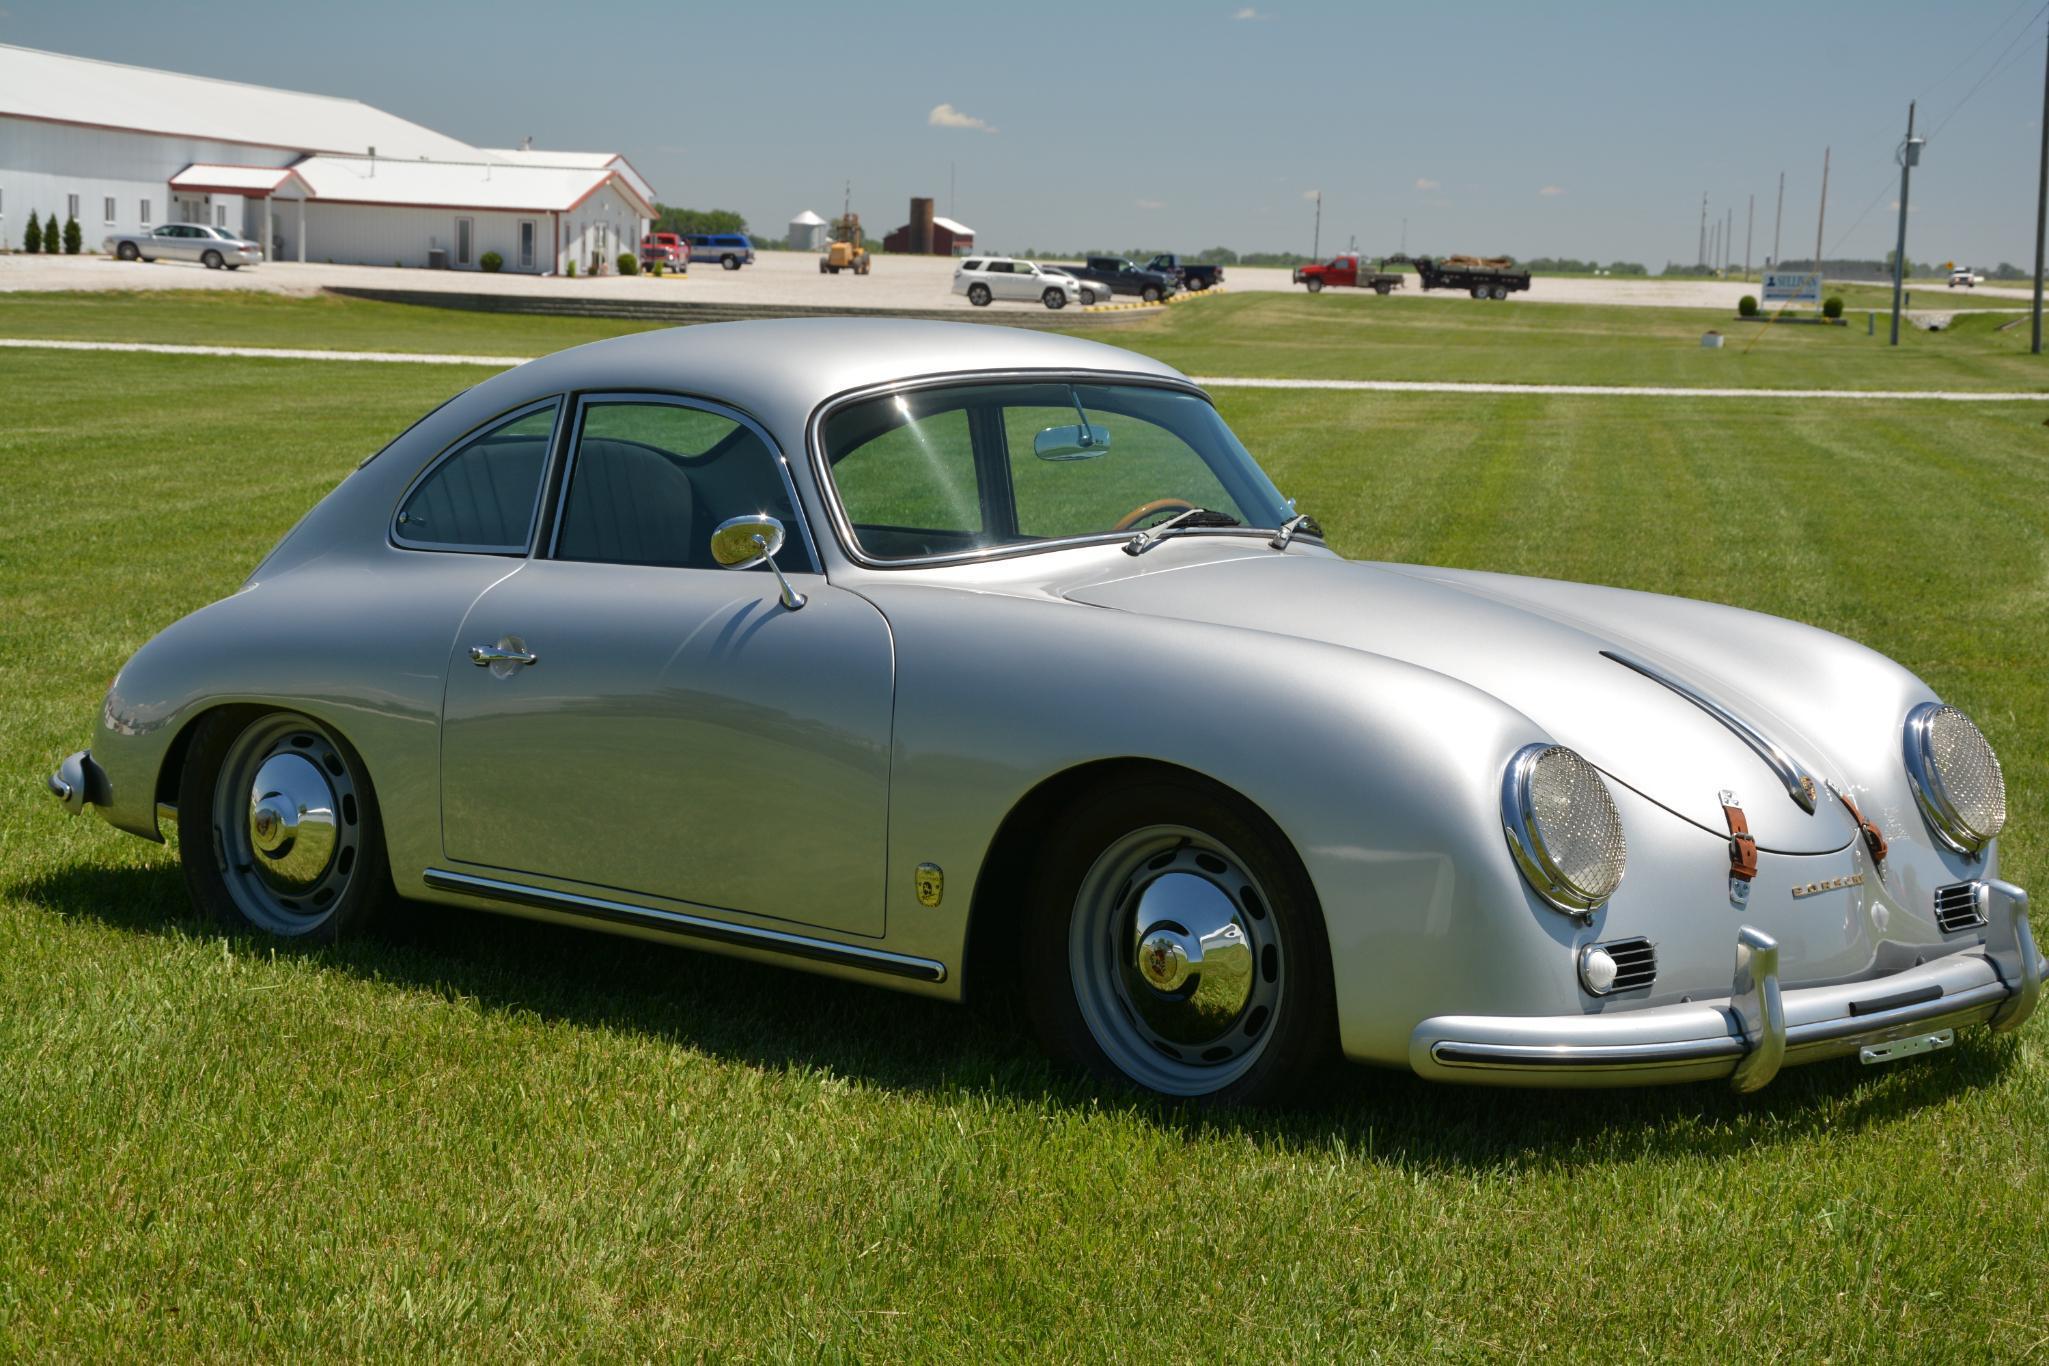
(974, 467)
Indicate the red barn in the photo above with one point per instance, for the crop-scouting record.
(928, 235)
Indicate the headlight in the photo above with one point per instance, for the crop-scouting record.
(1563, 827)
(1956, 777)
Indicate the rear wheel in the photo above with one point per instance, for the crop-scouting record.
(1501, 291)
(1089, 297)
(212, 260)
(978, 295)
(281, 828)
(730, 262)
(127, 251)
(1174, 944)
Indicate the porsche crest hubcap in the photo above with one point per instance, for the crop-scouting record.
(1176, 960)
(287, 823)
(291, 822)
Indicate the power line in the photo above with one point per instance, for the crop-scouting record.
(1971, 56)
(1999, 63)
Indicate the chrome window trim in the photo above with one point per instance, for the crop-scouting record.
(1926, 780)
(1799, 784)
(582, 403)
(843, 527)
(483, 429)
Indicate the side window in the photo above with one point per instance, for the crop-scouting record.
(482, 498)
(911, 488)
(651, 480)
(1001, 268)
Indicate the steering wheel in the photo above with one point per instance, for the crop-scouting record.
(1145, 510)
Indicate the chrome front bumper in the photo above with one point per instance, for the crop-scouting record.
(79, 783)
(1747, 1036)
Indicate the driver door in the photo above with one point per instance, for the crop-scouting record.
(679, 735)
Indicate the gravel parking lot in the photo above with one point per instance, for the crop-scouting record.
(778, 277)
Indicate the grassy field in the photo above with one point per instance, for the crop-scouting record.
(491, 1139)
(1332, 336)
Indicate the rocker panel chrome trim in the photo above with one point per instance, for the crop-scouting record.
(691, 927)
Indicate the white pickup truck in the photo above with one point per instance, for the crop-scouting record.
(1966, 278)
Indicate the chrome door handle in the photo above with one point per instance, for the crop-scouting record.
(484, 656)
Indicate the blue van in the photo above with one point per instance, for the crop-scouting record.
(730, 249)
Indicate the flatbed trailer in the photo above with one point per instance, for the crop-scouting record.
(1481, 279)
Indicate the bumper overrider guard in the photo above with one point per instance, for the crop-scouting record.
(79, 783)
(1758, 1028)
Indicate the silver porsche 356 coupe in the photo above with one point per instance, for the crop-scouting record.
(1029, 677)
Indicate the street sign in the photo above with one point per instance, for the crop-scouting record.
(1792, 287)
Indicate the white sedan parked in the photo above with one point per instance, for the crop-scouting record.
(211, 247)
(983, 278)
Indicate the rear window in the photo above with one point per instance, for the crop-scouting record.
(482, 498)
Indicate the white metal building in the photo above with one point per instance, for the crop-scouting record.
(312, 177)
(807, 232)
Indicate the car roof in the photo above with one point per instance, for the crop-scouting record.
(780, 370)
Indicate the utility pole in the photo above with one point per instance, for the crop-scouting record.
(1778, 220)
(2041, 214)
(1702, 258)
(1821, 216)
(1910, 152)
(1714, 248)
(1728, 239)
(1316, 242)
(1749, 231)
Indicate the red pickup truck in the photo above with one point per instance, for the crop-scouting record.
(1345, 271)
(667, 247)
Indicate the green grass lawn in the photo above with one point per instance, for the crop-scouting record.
(485, 1138)
(1332, 336)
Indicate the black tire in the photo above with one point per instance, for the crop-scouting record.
(1089, 298)
(1151, 294)
(1053, 298)
(824, 269)
(212, 260)
(1479, 291)
(1278, 1044)
(730, 262)
(1383, 290)
(353, 886)
(862, 269)
(978, 295)
(127, 251)
(1315, 285)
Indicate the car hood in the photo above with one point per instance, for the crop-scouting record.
(1546, 665)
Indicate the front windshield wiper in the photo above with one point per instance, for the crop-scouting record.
(1194, 517)
(1304, 522)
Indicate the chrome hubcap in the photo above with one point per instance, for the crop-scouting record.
(292, 823)
(286, 823)
(1176, 960)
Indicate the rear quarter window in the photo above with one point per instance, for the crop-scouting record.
(482, 497)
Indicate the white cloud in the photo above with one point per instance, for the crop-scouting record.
(1152, 203)
(1248, 14)
(946, 116)
(1552, 191)
(1312, 195)
(1424, 183)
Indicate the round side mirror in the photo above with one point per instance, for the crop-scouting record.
(743, 542)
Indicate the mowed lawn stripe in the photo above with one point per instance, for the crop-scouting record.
(486, 1138)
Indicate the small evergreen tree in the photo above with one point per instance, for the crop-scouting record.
(74, 238)
(50, 237)
(32, 236)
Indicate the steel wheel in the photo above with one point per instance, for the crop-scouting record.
(1176, 964)
(287, 823)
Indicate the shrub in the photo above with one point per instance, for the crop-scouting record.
(572, 270)
(627, 264)
(1832, 306)
(74, 239)
(32, 236)
(1747, 306)
(492, 262)
(50, 237)
(655, 268)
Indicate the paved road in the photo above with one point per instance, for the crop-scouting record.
(779, 277)
(1389, 386)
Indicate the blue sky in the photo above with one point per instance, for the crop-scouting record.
(1537, 129)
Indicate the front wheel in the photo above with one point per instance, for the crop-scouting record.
(978, 295)
(1174, 944)
(1315, 286)
(212, 260)
(1053, 298)
(281, 830)
(1151, 294)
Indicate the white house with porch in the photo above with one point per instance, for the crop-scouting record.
(311, 177)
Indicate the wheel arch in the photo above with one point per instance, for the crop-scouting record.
(987, 972)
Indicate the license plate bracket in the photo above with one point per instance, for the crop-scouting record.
(1907, 1046)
